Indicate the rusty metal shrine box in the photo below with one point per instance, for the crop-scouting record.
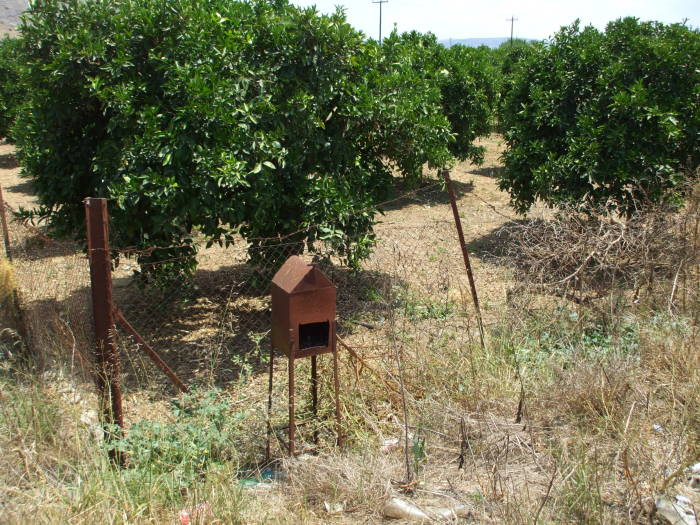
(303, 310)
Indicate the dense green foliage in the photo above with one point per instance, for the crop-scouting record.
(10, 90)
(218, 116)
(605, 118)
(507, 59)
(464, 76)
(468, 86)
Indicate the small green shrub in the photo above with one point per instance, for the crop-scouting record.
(566, 338)
(416, 307)
(179, 454)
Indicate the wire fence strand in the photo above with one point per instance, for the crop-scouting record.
(213, 327)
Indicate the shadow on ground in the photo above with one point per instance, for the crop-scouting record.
(8, 161)
(498, 245)
(431, 192)
(491, 172)
(216, 328)
(23, 187)
(34, 244)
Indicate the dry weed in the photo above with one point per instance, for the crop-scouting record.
(593, 395)
(360, 482)
(7, 280)
(587, 255)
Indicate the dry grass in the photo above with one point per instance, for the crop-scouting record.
(7, 280)
(587, 257)
(575, 411)
(586, 450)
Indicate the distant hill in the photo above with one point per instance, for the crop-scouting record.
(493, 43)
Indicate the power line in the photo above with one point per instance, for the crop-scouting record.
(380, 2)
(511, 20)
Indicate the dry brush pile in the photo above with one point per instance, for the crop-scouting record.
(587, 255)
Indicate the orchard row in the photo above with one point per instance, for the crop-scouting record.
(265, 119)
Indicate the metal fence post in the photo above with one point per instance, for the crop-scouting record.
(5, 231)
(106, 353)
(465, 253)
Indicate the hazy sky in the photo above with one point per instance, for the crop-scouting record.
(536, 18)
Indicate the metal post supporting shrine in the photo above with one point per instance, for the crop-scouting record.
(303, 325)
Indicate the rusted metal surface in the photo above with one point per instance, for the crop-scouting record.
(151, 353)
(5, 231)
(465, 253)
(314, 391)
(303, 325)
(269, 403)
(303, 305)
(291, 431)
(336, 387)
(106, 353)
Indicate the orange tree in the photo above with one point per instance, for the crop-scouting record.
(507, 59)
(11, 91)
(605, 118)
(217, 116)
(466, 80)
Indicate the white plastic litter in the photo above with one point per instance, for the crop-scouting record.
(401, 509)
(676, 512)
(460, 511)
(334, 508)
(389, 444)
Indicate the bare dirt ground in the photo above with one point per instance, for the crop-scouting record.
(17, 191)
(10, 11)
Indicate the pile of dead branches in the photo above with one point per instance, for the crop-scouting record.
(584, 255)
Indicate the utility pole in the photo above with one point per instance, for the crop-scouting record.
(380, 2)
(511, 20)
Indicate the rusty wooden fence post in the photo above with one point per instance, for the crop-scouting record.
(106, 353)
(465, 253)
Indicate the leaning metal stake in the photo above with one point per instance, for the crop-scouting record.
(465, 253)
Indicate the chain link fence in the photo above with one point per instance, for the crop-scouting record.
(214, 328)
(399, 314)
(226, 305)
(53, 297)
